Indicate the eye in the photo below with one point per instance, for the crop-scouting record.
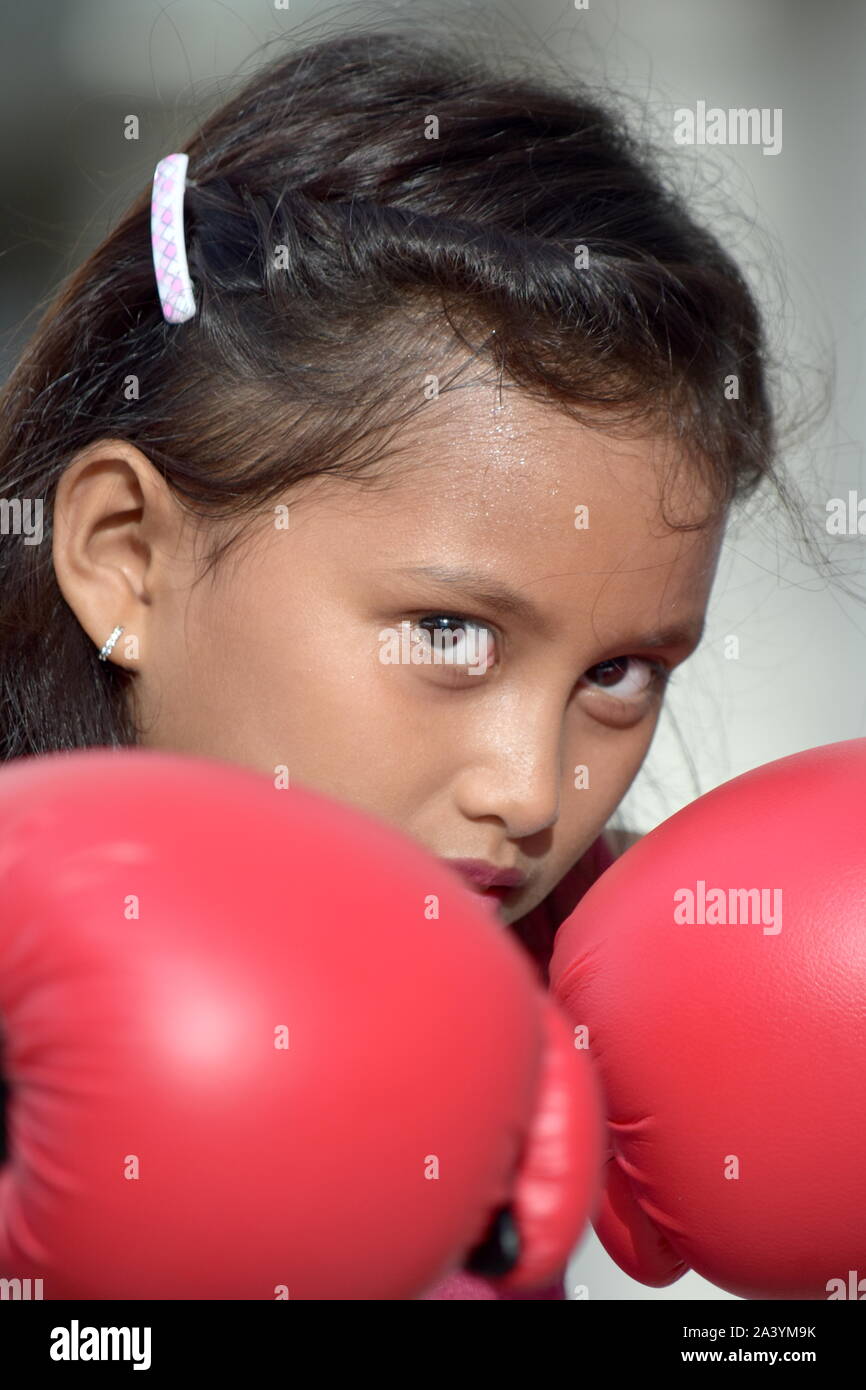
(627, 677)
(457, 641)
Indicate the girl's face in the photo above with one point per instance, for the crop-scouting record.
(538, 541)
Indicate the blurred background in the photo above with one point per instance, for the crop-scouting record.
(72, 73)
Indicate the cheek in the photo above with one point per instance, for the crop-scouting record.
(599, 766)
(318, 694)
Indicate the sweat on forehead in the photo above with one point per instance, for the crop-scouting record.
(502, 457)
(514, 512)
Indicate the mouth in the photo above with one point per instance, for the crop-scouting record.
(499, 884)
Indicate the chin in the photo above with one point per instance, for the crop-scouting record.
(508, 905)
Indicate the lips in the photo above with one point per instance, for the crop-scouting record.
(483, 876)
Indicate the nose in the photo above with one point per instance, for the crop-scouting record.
(515, 774)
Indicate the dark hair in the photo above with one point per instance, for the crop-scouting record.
(400, 250)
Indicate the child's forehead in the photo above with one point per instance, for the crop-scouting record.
(506, 458)
(567, 516)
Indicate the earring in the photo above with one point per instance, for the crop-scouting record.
(108, 646)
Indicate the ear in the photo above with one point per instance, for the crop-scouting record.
(117, 544)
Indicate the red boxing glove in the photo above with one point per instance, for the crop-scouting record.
(719, 967)
(258, 1045)
(557, 1184)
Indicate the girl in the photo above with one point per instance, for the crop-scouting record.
(410, 475)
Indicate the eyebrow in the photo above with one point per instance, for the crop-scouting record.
(501, 598)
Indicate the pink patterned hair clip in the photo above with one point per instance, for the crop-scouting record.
(169, 246)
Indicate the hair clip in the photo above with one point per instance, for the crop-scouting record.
(167, 235)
